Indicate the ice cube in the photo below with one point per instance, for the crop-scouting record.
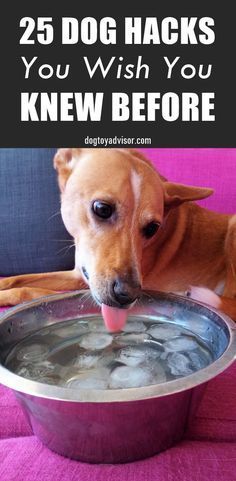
(72, 330)
(33, 352)
(34, 371)
(86, 361)
(97, 325)
(129, 376)
(133, 356)
(157, 371)
(183, 343)
(106, 358)
(52, 380)
(199, 324)
(199, 359)
(95, 341)
(125, 339)
(179, 364)
(87, 383)
(95, 379)
(134, 326)
(164, 331)
(24, 371)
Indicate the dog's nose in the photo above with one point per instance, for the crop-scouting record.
(125, 293)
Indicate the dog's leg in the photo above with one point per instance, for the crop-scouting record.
(65, 280)
(230, 249)
(30, 286)
(224, 304)
(12, 297)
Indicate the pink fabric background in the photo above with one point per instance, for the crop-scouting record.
(215, 168)
(209, 450)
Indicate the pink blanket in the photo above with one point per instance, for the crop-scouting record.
(209, 450)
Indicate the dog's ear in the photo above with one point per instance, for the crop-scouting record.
(143, 158)
(176, 194)
(64, 162)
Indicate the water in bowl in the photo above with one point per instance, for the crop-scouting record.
(81, 354)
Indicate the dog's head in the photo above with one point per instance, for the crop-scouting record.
(113, 205)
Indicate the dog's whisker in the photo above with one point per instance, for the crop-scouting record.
(146, 294)
(62, 250)
(85, 297)
(65, 249)
(138, 302)
(94, 303)
(54, 215)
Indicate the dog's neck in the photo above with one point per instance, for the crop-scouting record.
(169, 240)
(191, 240)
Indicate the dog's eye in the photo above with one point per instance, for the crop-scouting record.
(102, 209)
(150, 229)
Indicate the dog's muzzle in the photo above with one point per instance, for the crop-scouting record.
(124, 293)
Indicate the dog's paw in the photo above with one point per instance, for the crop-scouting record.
(205, 295)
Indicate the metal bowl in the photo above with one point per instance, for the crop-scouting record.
(119, 425)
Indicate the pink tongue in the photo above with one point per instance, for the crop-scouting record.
(114, 318)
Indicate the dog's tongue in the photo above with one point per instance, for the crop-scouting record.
(114, 318)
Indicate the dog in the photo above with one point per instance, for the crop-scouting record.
(134, 230)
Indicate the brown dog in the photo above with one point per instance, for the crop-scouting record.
(133, 229)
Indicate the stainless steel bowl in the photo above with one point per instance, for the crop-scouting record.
(121, 425)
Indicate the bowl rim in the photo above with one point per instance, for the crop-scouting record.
(57, 393)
